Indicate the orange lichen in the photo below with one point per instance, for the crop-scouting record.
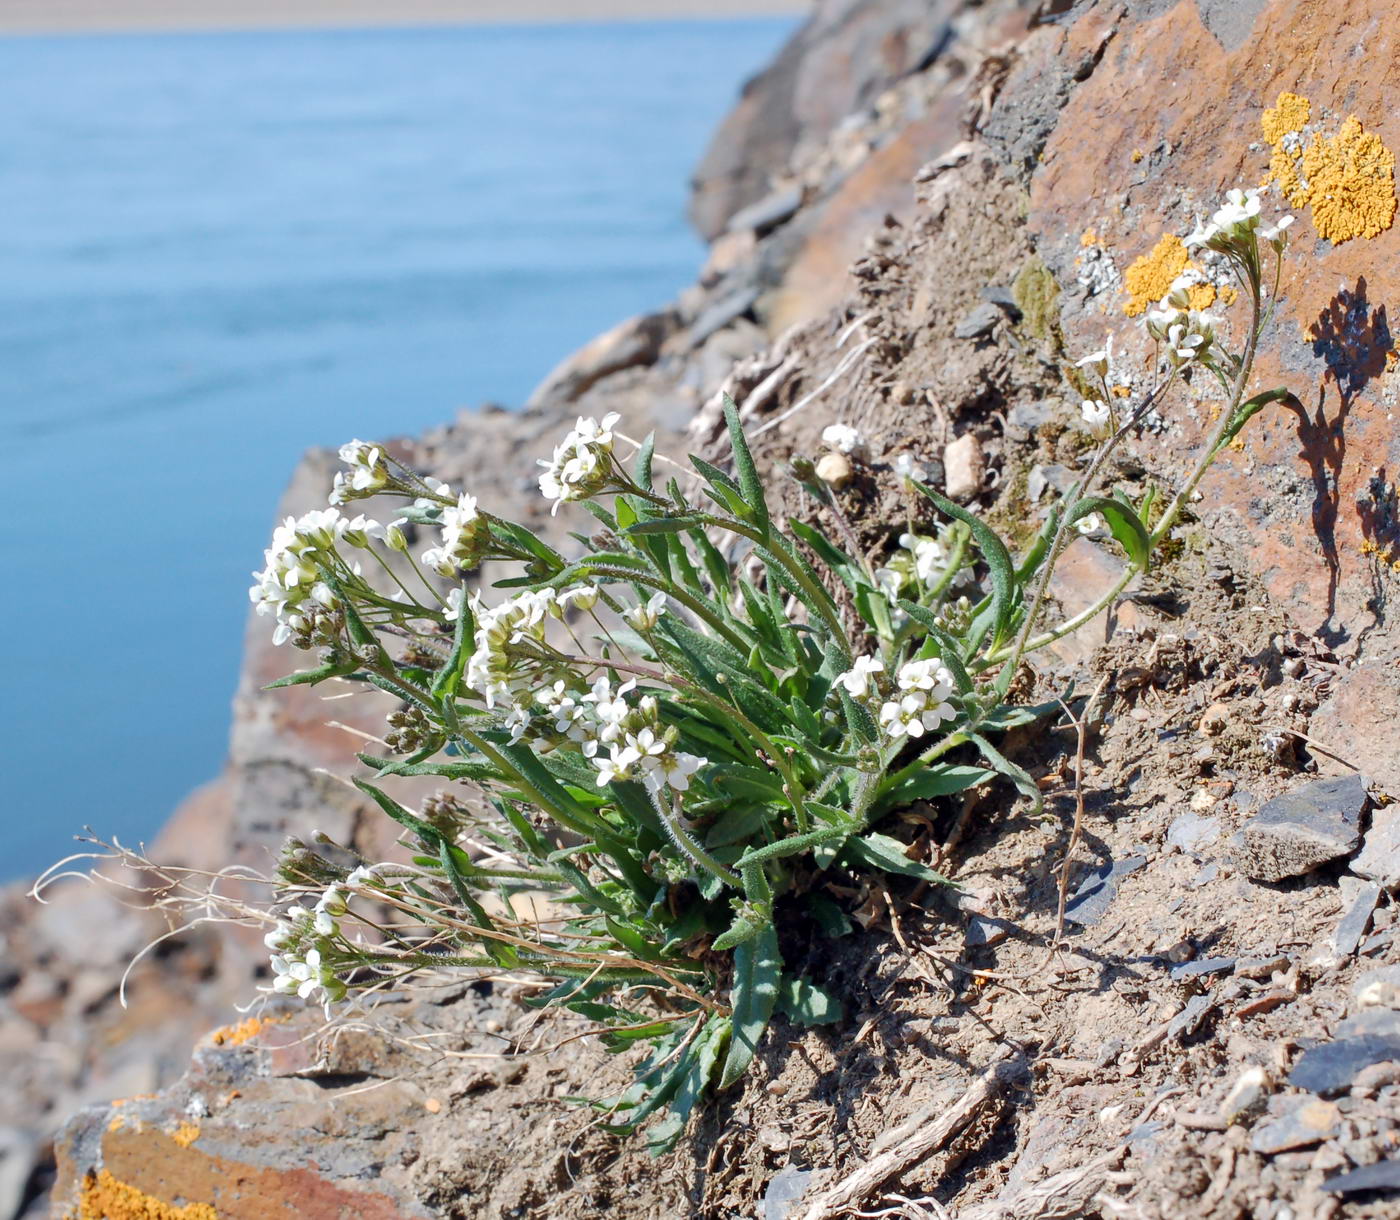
(185, 1134)
(1201, 296)
(1290, 113)
(243, 1032)
(116, 1124)
(1088, 238)
(1148, 278)
(1348, 179)
(1351, 183)
(1229, 295)
(1137, 155)
(105, 1198)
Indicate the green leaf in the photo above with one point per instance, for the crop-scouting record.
(1247, 411)
(463, 644)
(888, 855)
(702, 1060)
(805, 1003)
(663, 525)
(749, 482)
(452, 858)
(937, 781)
(429, 833)
(757, 969)
(641, 468)
(999, 565)
(1018, 775)
(829, 916)
(309, 677)
(1123, 523)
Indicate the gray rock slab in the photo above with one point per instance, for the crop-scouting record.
(1096, 892)
(1379, 857)
(978, 323)
(1383, 1175)
(1189, 1019)
(1378, 988)
(1359, 899)
(1303, 829)
(1190, 832)
(784, 1191)
(1382, 1021)
(1202, 966)
(1330, 1068)
(1304, 1124)
(768, 212)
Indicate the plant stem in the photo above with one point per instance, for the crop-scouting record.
(688, 847)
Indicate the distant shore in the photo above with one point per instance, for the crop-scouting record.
(95, 16)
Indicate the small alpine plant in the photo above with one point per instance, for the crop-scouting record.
(661, 749)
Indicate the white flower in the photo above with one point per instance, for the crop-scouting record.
(335, 900)
(844, 439)
(582, 463)
(280, 937)
(1096, 416)
(367, 475)
(453, 609)
(644, 617)
(290, 585)
(1090, 523)
(930, 559)
(617, 765)
(580, 597)
(907, 466)
(465, 537)
(672, 770)
(1098, 362)
(361, 875)
(856, 680)
(889, 582)
(922, 704)
(1274, 232)
(324, 923)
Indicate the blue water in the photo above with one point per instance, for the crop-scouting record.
(218, 250)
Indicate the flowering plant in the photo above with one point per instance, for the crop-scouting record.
(679, 738)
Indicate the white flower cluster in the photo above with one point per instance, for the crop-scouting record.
(926, 561)
(844, 439)
(499, 667)
(919, 702)
(1236, 221)
(465, 537)
(1187, 332)
(624, 742)
(291, 584)
(582, 464)
(300, 943)
(368, 473)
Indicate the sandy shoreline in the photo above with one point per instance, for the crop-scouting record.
(94, 16)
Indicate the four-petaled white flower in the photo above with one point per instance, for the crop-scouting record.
(644, 617)
(1098, 362)
(857, 679)
(1097, 417)
(1090, 523)
(922, 702)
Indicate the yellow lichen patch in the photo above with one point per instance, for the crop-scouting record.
(116, 1124)
(185, 1134)
(1351, 183)
(1201, 296)
(105, 1198)
(1229, 295)
(1148, 278)
(1347, 179)
(1137, 155)
(1122, 391)
(1290, 113)
(1088, 238)
(244, 1031)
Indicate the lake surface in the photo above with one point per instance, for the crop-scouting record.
(219, 250)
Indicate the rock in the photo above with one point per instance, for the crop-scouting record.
(1383, 1175)
(1025, 419)
(1379, 857)
(1096, 892)
(1190, 1018)
(964, 468)
(1190, 832)
(19, 1155)
(1379, 988)
(1305, 1123)
(1201, 967)
(635, 341)
(983, 932)
(1246, 1094)
(722, 312)
(768, 212)
(1359, 899)
(979, 322)
(1330, 1068)
(1383, 1022)
(1358, 723)
(838, 62)
(1215, 720)
(835, 470)
(785, 1190)
(1310, 826)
